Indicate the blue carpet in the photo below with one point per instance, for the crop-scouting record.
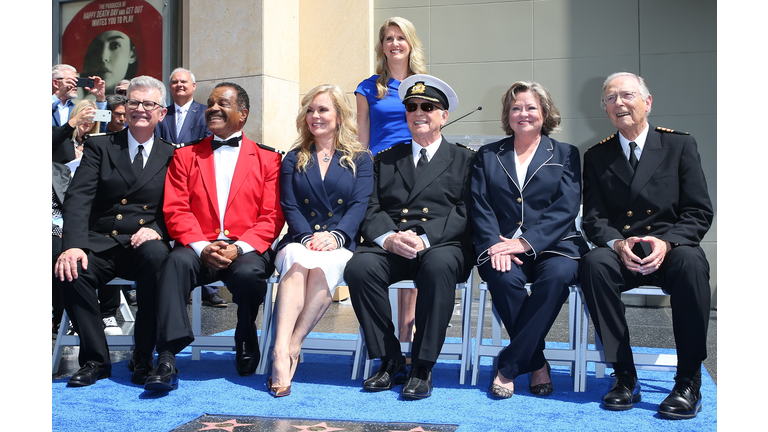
(322, 389)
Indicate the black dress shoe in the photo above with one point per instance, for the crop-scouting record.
(89, 374)
(624, 393)
(419, 384)
(684, 402)
(215, 301)
(391, 372)
(247, 358)
(142, 367)
(165, 378)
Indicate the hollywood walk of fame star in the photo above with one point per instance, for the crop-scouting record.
(418, 429)
(318, 427)
(228, 425)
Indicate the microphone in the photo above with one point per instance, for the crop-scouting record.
(465, 115)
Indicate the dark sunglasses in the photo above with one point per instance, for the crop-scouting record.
(425, 106)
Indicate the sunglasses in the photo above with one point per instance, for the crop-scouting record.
(425, 106)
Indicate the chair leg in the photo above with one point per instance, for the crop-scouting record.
(478, 337)
(58, 348)
(267, 329)
(197, 319)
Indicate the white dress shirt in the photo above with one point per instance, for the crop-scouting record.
(416, 153)
(224, 162)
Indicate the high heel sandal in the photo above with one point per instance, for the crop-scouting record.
(544, 389)
(277, 391)
(499, 391)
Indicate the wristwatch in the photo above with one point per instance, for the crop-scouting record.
(239, 250)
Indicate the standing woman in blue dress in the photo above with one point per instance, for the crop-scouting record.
(326, 181)
(381, 115)
(526, 191)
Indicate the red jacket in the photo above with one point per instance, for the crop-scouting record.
(253, 213)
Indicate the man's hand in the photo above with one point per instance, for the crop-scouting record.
(213, 255)
(647, 265)
(143, 235)
(66, 264)
(404, 243)
(98, 90)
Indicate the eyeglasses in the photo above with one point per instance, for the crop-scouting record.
(147, 104)
(425, 106)
(120, 92)
(625, 96)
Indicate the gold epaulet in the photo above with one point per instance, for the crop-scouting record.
(668, 130)
(266, 147)
(390, 148)
(610, 137)
(180, 145)
(466, 147)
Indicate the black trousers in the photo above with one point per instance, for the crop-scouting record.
(82, 303)
(246, 278)
(109, 295)
(684, 275)
(528, 318)
(435, 271)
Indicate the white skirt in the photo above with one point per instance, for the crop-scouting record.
(332, 263)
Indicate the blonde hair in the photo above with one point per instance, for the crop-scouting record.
(346, 133)
(416, 60)
(79, 107)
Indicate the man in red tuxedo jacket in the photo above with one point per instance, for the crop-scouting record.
(222, 208)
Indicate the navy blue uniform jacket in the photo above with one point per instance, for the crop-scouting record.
(311, 204)
(545, 206)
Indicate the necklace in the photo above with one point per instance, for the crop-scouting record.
(326, 156)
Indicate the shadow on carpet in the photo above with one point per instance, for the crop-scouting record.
(322, 391)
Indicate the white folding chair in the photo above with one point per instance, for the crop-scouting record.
(313, 344)
(224, 342)
(645, 361)
(116, 342)
(450, 351)
(565, 356)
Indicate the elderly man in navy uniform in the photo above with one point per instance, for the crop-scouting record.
(646, 208)
(115, 228)
(416, 227)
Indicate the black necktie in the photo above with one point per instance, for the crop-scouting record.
(232, 142)
(138, 161)
(632, 156)
(422, 163)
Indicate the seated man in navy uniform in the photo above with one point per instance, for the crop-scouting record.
(416, 227)
(646, 208)
(115, 228)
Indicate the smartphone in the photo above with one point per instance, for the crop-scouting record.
(103, 116)
(85, 82)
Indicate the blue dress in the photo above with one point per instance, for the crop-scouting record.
(387, 116)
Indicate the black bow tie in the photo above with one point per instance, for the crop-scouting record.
(232, 142)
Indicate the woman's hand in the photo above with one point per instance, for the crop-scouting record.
(322, 241)
(503, 253)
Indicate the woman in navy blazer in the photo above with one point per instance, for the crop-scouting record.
(526, 191)
(326, 181)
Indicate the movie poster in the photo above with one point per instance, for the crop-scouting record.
(114, 40)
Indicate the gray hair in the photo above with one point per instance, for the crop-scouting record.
(177, 70)
(145, 81)
(642, 86)
(115, 100)
(59, 68)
